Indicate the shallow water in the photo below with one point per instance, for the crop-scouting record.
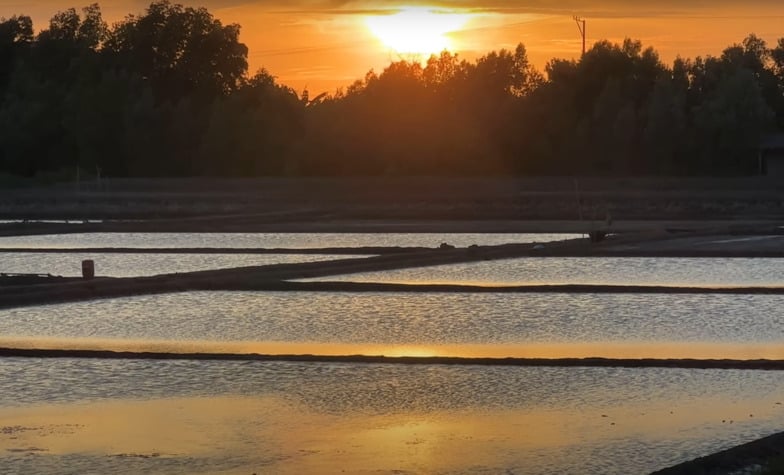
(185, 417)
(581, 270)
(245, 417)
(269, 240)
(510, 322)
(135, 265)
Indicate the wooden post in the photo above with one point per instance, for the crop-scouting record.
(88, 269)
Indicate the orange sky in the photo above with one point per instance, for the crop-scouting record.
(326, 44)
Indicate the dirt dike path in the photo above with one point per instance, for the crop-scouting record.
(759, 365)
(753, 457)
(277, 277)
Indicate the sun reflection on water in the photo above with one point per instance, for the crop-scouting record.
(611, 349)
(285, 437)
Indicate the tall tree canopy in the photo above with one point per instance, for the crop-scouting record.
(181, 50)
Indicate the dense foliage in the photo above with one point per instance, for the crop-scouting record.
(166, 93)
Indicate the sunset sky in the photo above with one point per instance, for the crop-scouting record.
(325, 44)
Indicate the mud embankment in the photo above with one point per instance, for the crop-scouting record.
(767, 365)
(737, 460)
(278, 277)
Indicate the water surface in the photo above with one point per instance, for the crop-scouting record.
(590, 270)
(511, 323)
(186, 417)
(179, 417)
(135, 265)
(269, 240)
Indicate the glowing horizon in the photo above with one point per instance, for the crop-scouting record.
(417, 30)
(323, 46)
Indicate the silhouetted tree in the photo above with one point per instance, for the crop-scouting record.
(253, 131)
(730, 123)
(664, 146)
(16, 36)
(181, 50)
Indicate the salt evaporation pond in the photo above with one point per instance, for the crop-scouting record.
(184, 417)
(172, 417)
(390, 323)
(136, 265)
(589, 270)
(269, 240)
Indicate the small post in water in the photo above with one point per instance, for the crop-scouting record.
(88, 269)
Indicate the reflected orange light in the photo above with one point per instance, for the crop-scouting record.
(409, 351)
(290, 438)
(613, 350)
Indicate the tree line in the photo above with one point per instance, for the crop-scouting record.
(167, 93)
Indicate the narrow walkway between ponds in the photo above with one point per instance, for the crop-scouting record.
(276, 277)
(766, 365)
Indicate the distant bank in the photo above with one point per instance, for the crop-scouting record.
(551, 204)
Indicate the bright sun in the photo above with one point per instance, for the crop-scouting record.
(417, 30)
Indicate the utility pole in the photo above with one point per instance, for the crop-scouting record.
(581, 26)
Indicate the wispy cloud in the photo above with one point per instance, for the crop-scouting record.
(603, 8)
(591, 8)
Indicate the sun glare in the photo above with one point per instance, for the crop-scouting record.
(417, 30)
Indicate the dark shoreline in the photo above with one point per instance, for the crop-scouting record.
(732, 460)
(360, 287)
(755, 365)
(78, 290)
(381, 225)
(557, 251)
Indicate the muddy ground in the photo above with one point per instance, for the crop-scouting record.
(258, 202)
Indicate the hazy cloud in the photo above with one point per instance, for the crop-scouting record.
(603, 8)
(589, 8)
